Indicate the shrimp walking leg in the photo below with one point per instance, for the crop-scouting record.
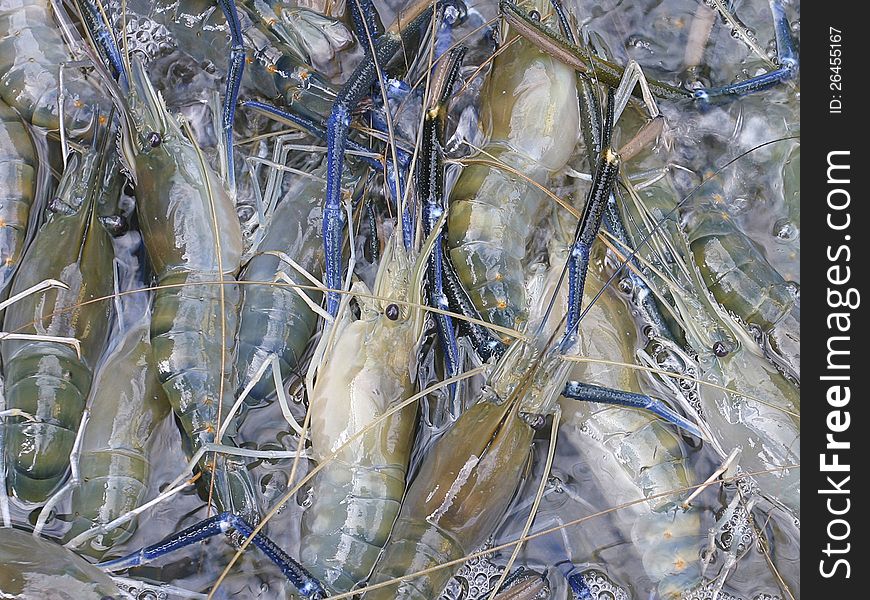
(593, 393)
(786, 54)
(224, 523)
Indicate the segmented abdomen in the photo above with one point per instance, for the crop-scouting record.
(653, 461)
(191, 355)
(352, 511)
(49, 382)
(127, 403)
(492, 217)
(18, 162)
(275, 320)
(193, 339)
(745, 283)
(32, 52)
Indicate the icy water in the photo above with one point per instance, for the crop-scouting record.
(599, 518)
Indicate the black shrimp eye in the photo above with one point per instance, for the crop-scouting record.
(392, 312)
(721, 349)
(154, 139)
(534, 15)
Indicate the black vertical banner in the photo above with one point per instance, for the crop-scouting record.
(833, 281)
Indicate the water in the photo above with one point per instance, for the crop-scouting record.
(758, 195)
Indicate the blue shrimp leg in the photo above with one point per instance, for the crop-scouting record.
(610, 73)
(586, 392)
(590, 125)
(430, 182)
(788, 60)
(235, 70)
(587, 228)
(576, 582)
(445, 289)
(578, 264)
(338, 128)
(365, 22)
(224, 523)
(104, 39)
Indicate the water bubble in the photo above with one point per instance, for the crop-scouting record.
(785, 230)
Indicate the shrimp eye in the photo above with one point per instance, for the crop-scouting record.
(154, 139)
(721, 349)
(392, 312)
(534, 15)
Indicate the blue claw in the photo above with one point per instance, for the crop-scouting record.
(235, 70)
(104, 40)
(333, 218)
(365, 22)
(587, 228)
(786, 54)
(576, 581)
(337, 129)
(593, 393)
(430, 186)
(224, 523)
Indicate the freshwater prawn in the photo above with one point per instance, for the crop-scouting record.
(47, 379)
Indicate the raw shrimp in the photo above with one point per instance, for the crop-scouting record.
(18, 165)
(367, 368)
(50, 380)
(194, 242)
(530, 110)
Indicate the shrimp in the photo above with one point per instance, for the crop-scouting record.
(126, 405)
(760, 411)
(741, 279)
(275, 320)
(18, 165)
(194, 242)
(36, 568)
(636, 455)
(32, 53)
(47, 379)
(530, 109)
(366, 371)
(467, 480)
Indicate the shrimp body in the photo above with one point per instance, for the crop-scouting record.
(194, 243)
(636, 454)
(530, 110)
(469, 478)
(18, 164)
(49, 380)
(127, 403)
(36, 568)
(367, 371)
(742, 280)
(275, 320)
(760, 412)
(32, 52)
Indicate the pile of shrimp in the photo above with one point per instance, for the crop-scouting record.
(418, 299)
